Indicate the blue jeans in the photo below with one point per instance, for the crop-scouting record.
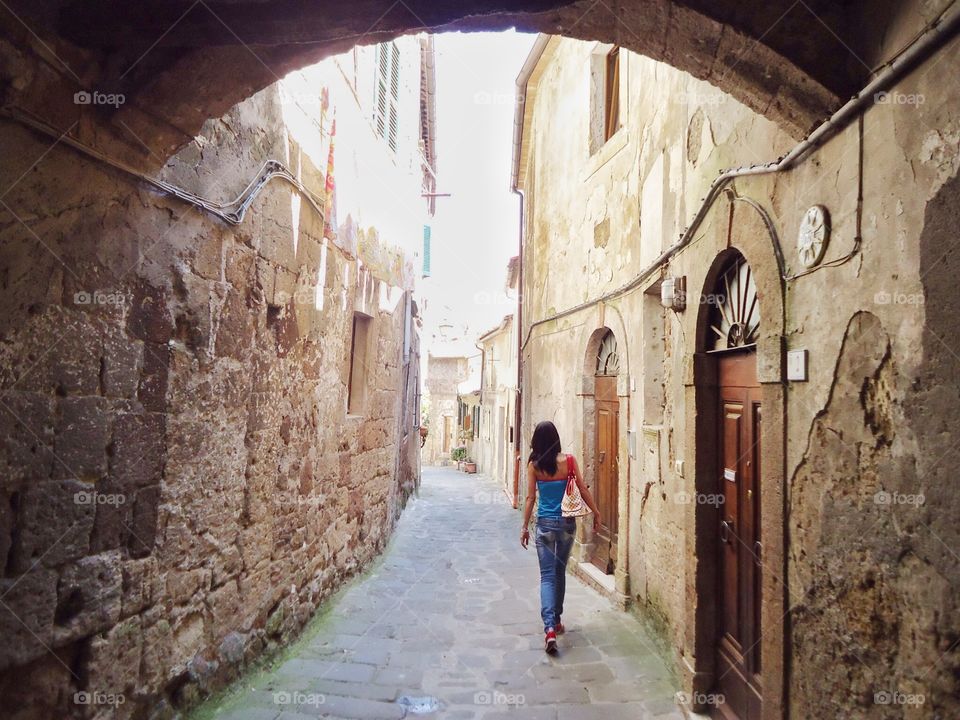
(554, 543)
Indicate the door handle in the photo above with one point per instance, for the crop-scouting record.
(757, 549)
(726, 527)
(602, 454)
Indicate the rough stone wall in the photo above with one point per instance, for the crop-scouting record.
(870, 568)
(181, 485)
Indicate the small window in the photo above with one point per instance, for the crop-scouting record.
(604, 96)
(386, 102)
(611, 114)
(357, 383)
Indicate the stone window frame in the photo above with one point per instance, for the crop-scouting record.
(601, 129)
(358, 378)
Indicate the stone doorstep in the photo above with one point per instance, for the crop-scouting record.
(601, 582)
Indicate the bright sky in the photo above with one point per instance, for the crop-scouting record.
(475, 231)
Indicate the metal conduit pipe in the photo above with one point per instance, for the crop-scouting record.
(231, 212)
(932, 39)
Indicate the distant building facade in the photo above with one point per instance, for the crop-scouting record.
(444, 375)
(495, 432)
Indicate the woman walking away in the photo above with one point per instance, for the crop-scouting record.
(551, 476)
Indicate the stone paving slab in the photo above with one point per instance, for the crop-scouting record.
(447, 625)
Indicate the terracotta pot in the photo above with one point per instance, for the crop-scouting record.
(471, 467)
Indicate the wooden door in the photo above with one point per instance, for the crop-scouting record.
(607, 472)
(739, 545)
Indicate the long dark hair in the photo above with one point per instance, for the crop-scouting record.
(545, 446)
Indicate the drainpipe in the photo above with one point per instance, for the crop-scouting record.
(517, 415)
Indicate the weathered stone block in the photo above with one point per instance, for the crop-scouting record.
(113, 661)
(114, 512)
(149, 317)
(239, 266)
(75, 366)
(122, 360)
(182, 585)
(157, 648)
(154, 375)
(54, 524)
(208, 256)
(137, 450)
(143, 528)
(82, 434)
(26, 616)
(88, 597)
(224, 604)
(26, 438)
(142, 585)
(236, 328)
(188, 630)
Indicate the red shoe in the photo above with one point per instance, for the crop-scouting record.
(550, 642)
(560, 629)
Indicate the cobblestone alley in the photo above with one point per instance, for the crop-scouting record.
(447, 624)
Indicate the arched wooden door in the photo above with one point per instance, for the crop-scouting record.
(733, 330)
(606, 449)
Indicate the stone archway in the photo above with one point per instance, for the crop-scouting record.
(596, 343)
(179, 64)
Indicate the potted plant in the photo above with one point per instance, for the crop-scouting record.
(470, 466)
(458, 454)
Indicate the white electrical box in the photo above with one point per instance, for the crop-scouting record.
(797, 365)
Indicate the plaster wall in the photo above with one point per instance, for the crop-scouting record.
(860, 577)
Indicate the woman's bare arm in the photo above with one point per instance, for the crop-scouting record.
(528, 505)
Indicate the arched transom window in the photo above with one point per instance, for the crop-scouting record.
(608, 362)
(735, 308)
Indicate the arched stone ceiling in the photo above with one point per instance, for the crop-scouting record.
(180, 62)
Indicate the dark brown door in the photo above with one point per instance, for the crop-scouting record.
(608, 476)
(738, 538)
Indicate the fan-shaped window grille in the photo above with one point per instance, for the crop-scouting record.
(608, 362)
(735, 309)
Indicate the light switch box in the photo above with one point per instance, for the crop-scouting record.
(797, 365)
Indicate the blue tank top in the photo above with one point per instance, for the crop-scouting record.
(550, 495)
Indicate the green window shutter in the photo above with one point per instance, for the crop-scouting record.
(426, 251)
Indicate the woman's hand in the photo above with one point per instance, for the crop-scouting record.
(596, 522)
(524, 538)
